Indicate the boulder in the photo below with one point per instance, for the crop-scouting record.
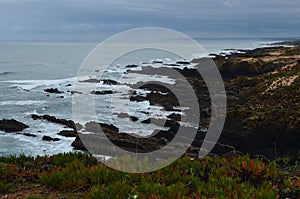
(48, 138)
(53, 90)
(106, 92)
(67, 133)
(131, 66)
(12, 125)
(109, 82)
(29, 135)
(183, 62)
(125, 115)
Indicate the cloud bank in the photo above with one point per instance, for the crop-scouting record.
(97, 19)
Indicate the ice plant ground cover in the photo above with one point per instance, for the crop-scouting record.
(77, 175)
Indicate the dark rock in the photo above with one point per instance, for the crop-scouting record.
(134, 119)
(137, 98)
(172, 65)
(147, 121)
(145, 112)
(106, 92)
(183, 62)
(167, 101)
(157, 62)
(12, 125)
(161, 122)
(68, 123)
(131, 66)
(29, 135)
(90, 81)
(48, 138)
(94, 127)
(109, 82)
(68, 85)
(53, 90)
(175, 116)
(78, 145)
(75, 92)
(67, 133)
(125, 115)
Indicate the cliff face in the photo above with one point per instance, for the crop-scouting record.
(263, 90)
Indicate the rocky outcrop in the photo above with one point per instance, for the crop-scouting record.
(49, 118)
(168, 101)
(12, 125)
(105, 92)
(262, 88)
(126, 115)
(67, 133)
(131, 66)
(48, 138)
(183, 62)
(90, 81)
(53, 90)
(78, 145)
(109, 82)
(29, 135)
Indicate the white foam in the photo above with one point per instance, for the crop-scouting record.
(22, 103)
(32, 84)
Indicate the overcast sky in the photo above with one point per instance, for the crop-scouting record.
(98, 19)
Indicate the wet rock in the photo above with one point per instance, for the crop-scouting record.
(48, 138)
(106, 128)
(134, 119)
(157, 62)
(29, 135)
(90, 81)
(183, 62)
(68, 123)
(106, 92)
(175, 116)
(174, 65)
(125, 115)
(12, 125)
(131, 66)
(67, 133)
(167, 101)
(109, 82)
(147, 121)
(78, 145)
(75, 92)
(53, 90)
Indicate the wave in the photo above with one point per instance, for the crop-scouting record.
(22, 103)
(32, 84)
(6, 73)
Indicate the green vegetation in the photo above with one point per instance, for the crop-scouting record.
(218, 177)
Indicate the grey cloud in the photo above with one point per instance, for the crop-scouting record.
(57, 18)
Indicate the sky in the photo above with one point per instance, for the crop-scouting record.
(98, 19)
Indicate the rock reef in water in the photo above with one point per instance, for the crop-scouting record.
(12, 125)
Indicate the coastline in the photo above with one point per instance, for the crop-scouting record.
(230, 139)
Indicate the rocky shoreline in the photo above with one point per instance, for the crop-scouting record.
(263, 111)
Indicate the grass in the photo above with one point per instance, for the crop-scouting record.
(77, 175)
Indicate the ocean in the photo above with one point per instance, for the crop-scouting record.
(27, 68)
